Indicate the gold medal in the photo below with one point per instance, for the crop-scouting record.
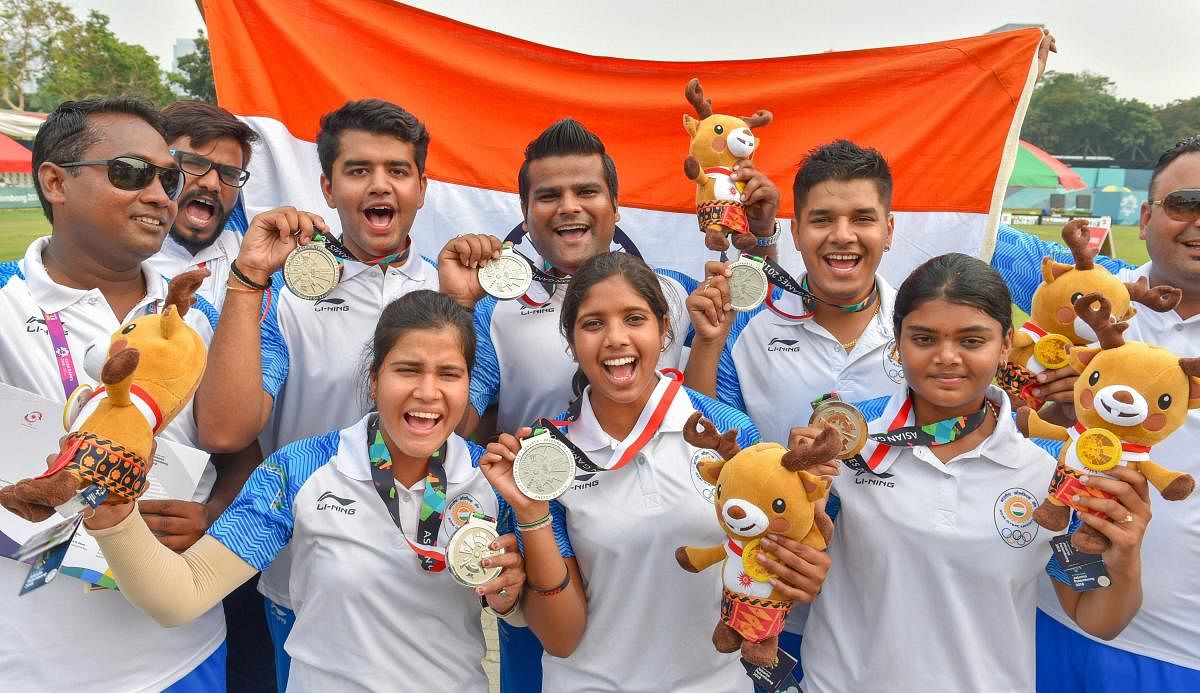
(311, 271)
(750, 563)
(848, 420)
(1099, 449)
(1051, 351)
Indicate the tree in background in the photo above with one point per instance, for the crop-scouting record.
(1078, 114)
(89, 60)
(195, 75)
(26, 28)
(1180, 120)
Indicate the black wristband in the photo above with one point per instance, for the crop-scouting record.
(241, 277)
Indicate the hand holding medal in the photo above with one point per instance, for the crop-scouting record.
(708, 305)
(269, 241)
(511, 274)
(462, 261)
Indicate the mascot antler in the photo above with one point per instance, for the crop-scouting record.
(760, 118)
(1160, 299)
(807, 453)
(1108, 333)
(1076, 235)
(724, 443)
(695, 96)
(1190, 366)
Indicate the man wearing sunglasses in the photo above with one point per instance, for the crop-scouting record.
(108, 185)
(1160, 649)
(213, 149)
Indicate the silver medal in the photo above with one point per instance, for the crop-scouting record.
(506, 277)
(747, 284)
(467, 548)
(311, 271)
(544, 468)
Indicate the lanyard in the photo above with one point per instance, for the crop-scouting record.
(550, 282)
(62, 349)
(931, 435)
(340, 251)
(643, 431)
(433, 503)
(778, 276)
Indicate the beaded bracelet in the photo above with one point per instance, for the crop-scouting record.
(553, 590)
(543, 521)
(239, 275)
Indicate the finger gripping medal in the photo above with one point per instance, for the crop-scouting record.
(848, 420)
(544, 468)
(311, 271)
(506, 277)
(747, 284)
(468, 547)
(1051, 351)
(750, 562)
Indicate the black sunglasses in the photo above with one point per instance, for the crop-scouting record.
(135, 173)
(1181, 205)
(195, 165)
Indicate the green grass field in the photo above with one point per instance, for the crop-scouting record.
(17, 228)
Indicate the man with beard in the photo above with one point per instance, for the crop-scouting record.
(213, 149)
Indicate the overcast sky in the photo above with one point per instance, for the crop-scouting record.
(1148, 47)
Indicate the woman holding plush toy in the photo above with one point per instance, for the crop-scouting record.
(648, 621)
(936, 556)
(381, 516)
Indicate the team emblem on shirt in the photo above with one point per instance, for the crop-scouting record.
(1014, 517)
(460, 510)
(891, 362)
(705, 489)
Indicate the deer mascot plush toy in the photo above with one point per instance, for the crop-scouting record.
(761, 489)
(1053, 327)
(154, 365)
(1129, 397)
(719, 142)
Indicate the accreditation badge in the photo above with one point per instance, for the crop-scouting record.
(544, 468)
(848, 420)
(467, 548)
(506, 277)
(748, 284)
(311, 271)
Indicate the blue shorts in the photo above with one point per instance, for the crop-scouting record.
(520, 659)
(280, 620)
(1068, 661)
(208, 676)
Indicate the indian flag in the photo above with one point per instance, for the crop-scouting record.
(946, 115)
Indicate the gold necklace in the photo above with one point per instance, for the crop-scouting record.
(849, 346)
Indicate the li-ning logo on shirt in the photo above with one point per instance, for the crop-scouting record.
(325, 304)
(780, 344)
(531, 310)
(338, 505)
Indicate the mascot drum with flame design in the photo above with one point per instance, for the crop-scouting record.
(1129, 397)
(761, 489)
(153, 367)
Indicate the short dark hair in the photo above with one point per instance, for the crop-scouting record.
(842, 160)
(68, 132)
(1184, 146)
(566, 137)
(596, 269)
(205, 123)
(956, 278)
(377, 117)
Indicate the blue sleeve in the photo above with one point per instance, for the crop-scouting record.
(237, 220)
(689, 285)
(507, 524)
(833, 506)
(259, 522)
(729, 387)
(275, 358)
(210, 311)
(725, 417)
(485, 376)
(1018, 259)
(872, 408)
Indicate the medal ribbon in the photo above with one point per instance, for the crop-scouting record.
(341, 252)
(549, 281)
(778, 276)
(433, 503)
(644, 429)
(930, 435)
(62, 349)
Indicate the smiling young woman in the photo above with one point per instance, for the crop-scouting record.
(938, 517)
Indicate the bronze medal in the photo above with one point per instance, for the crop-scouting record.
(848, 420)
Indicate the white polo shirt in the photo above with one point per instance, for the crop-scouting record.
(521, 358)
(367, 616)
(649, 623)
(174, 259)
(314, 357)
(773, 367)
(935, 568)
(131, 652)
(1167, 627)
